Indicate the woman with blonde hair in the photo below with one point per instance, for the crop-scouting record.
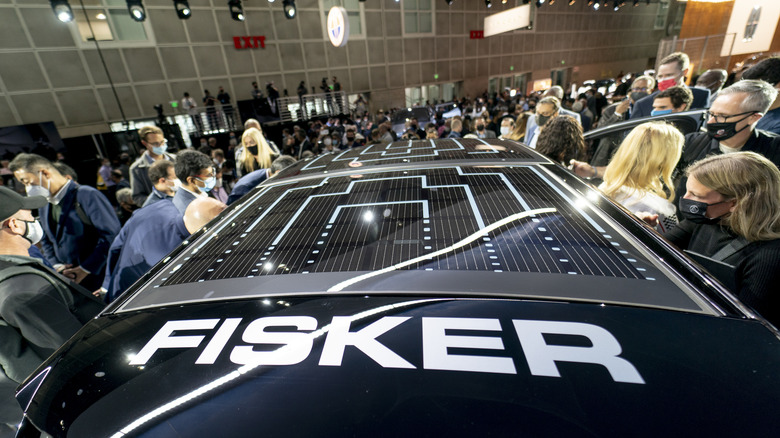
(732, 216)
(639, 176)
(256, 153)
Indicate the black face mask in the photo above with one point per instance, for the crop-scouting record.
(724, 131)
(636, 95)
(695, 211)
(252, 150)
(542, 120)
(480, 127)
(413, 127)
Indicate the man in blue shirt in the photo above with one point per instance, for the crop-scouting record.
(149, 235)
(78, 222)
(195, 170)
(164, 182)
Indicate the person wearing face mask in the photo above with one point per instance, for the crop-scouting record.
(731, 225)
(547, 108)
(672, 100)
(480, 126)
(39, 309)
(162, 174)
(78, 223)
(672, 71)
(256, 153)
(156, 149)
(617, 112)
(195, 171)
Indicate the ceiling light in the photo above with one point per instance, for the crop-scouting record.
(289, 9)
(136, 9)
(62, 10)
(182, 9)
(100, 16)
(488, 4)
(236, 10)
(449, 2)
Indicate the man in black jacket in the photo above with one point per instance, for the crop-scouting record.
(39, 309)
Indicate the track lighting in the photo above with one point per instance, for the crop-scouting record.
(182, 9)
(289, 9)
(488, 4)
(62, 10)
(136, 9)
(236, 10)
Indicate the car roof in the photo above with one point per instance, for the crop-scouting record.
(462, 217)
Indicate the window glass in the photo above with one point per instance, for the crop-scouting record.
(353, 12)
(418, 16)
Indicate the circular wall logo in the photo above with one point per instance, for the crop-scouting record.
(338, 26)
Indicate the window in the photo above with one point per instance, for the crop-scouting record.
(660, 16)
(417, 16)
(110, 22)
(354, 12)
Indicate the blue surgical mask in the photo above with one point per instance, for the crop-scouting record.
(159, 150)
(210, 183)
(654, 113)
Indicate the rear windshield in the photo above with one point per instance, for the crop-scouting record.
(438, 230)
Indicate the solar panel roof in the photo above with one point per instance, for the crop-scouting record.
(505, 230)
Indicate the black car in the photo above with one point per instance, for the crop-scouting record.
(455, 287)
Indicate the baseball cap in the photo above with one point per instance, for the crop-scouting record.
(11, 202)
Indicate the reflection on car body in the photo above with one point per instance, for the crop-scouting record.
(449, 287)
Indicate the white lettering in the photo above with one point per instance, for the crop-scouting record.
(339, 337)
(296, 348)
(163, 338)
(541, 357)
(436, 342)
(218, 342)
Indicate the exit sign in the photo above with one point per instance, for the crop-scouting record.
(477, 34)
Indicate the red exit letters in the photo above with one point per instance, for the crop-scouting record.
(249, 42)
(477, 34)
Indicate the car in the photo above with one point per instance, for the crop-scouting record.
(452, 287)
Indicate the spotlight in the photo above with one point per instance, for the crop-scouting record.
(571, 2)
(596, 6)
(136, 9)
(182, 9)
(590, 2)
(539, 3)
(488, 4)
(449, 2)
(62, 10)
(289, 9)
(236, 10)
(616, 5)
(636, 3)
(552, 2)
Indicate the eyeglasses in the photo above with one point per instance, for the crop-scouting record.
(640, 89)
(721, 118)
(157, 145)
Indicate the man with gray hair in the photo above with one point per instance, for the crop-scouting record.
(731, 126)
(768, 70)
(617, 112)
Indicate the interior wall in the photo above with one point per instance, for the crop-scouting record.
(45, 75)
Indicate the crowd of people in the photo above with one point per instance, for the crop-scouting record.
(715, 192)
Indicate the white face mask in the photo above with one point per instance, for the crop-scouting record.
(33, 231)
(327, 141)
(176, 185)
(505, 130)
(39, 190)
